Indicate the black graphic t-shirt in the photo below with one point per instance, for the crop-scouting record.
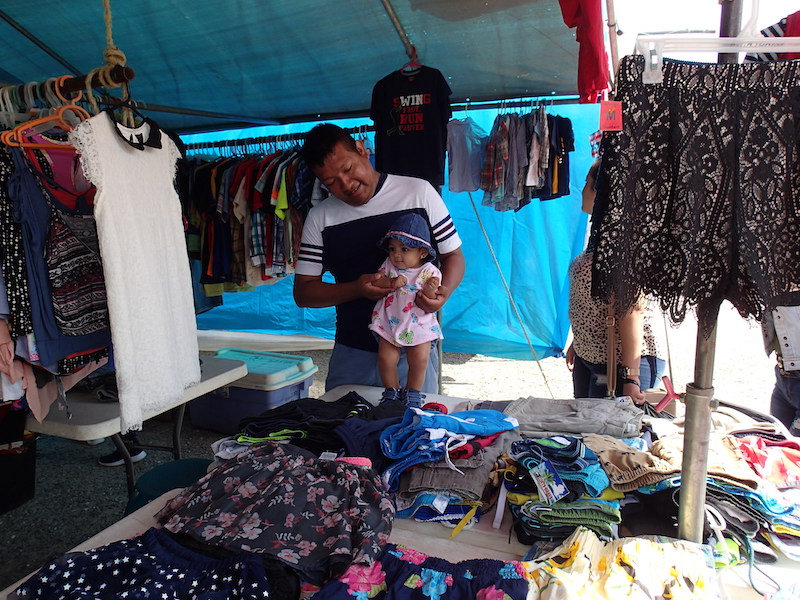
(411, 111)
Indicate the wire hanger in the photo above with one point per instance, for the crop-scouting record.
(125, 107)
(749, 40)
(413, 65)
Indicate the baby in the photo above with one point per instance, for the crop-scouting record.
(397, 320)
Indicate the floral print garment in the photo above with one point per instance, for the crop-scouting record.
(403, 573)
(317, 516)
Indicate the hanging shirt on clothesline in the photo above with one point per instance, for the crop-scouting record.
(526, 157)
(411, 111)
(466, 149)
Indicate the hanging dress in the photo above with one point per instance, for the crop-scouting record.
(145, 262)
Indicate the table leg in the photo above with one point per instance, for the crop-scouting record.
(126, 456)
(177, 424)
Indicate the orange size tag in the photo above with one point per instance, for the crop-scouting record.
(610, 115)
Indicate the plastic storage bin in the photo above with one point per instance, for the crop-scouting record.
(272, 379)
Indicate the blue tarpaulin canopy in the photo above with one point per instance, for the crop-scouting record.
(211, 66)
(262, 61)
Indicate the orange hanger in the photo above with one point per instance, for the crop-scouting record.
(413, 64)
(15, 136)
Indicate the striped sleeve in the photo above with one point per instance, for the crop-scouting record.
(310, 255)
(444, 230)
(776, 30)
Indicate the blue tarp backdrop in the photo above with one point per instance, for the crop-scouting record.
(533, 247)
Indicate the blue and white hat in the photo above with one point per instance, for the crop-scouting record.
(412, 230)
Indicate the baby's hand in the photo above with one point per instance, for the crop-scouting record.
(399, 282)
(431, 287)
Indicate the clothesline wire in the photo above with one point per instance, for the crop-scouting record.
(532, 102)
(510, 296)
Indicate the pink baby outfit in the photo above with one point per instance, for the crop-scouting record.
(396, 318)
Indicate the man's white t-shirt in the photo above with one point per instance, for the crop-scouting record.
(343, 240)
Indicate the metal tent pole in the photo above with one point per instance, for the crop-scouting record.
(387, 5)
(700, 393)
(613, 32)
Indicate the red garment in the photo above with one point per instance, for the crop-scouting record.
(587, 16)
(473, 446)
(792, 30)
(775, 461)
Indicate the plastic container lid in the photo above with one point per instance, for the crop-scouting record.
(269, 370)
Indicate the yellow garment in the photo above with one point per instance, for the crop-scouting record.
(282, 203)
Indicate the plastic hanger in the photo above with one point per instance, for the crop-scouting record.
(16, 136)
(60, 118)
(749, 40)
(10, 116)
(413, 65)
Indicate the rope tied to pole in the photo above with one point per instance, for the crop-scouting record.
(114, 57)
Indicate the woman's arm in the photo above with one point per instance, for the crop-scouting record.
(631, 335)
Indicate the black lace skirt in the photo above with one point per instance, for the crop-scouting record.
(698, 198)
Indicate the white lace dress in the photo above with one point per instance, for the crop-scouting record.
(145, 263)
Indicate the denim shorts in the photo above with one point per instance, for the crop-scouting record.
(351, 366)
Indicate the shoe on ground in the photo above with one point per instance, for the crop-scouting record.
(115, 458)
(96, 442)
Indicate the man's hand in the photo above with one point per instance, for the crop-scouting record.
(368, 288)
(431, 305)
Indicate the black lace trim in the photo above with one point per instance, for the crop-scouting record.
(699, 199)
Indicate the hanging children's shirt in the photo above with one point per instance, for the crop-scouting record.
(145, 261)
(561, 143)
(466, 148)
(411, 111)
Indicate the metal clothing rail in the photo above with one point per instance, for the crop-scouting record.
(266, 139)
(530, 102)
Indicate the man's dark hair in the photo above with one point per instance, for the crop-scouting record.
(321, 140)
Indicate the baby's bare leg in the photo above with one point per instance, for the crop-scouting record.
(388, 357)
(417, 358)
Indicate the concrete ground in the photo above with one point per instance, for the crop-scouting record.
(75, 498)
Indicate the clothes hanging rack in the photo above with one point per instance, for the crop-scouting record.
(699, 397)
(731, 41)
(267, 139)
(531, 102)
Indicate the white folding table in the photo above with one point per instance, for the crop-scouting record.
(86, 418)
